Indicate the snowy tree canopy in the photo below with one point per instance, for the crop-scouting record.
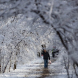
(27, 24)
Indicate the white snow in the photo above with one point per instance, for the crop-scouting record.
(23, 31)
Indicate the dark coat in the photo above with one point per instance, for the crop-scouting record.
(45, 55)
(55, 50)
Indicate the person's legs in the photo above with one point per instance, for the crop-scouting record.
(45, 63)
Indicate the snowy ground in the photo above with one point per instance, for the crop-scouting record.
(35, 69)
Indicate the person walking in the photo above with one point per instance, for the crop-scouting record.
(54, 50)
(46, 56)
(53, 53)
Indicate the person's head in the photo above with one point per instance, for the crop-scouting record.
(44, 50)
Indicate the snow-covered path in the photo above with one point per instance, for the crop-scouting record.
(35, 69)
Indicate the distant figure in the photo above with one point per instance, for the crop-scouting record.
(43, 47)
(46, 56)
(54, 50)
